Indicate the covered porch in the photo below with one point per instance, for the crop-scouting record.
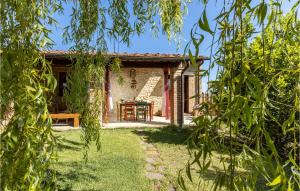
(166, 81)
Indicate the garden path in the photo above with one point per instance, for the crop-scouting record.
(154, 164)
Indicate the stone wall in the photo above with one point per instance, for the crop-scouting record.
(149, 87)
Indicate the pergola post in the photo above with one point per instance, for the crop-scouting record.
(197, 89)
(176, 95)
(198, 84)
(171, 95)
(166, 94)
(106, 93)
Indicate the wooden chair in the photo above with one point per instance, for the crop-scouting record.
(141, 111)
(129, 114)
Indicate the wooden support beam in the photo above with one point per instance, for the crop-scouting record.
(107, 86)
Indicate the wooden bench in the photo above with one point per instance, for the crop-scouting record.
(74, 116)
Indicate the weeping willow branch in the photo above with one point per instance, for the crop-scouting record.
(254, 99)
(27, 141)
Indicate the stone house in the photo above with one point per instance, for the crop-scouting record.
(167, 80)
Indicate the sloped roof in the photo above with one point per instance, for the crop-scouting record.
(127, 56)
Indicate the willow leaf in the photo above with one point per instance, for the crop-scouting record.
(275, 181)
(203, 23)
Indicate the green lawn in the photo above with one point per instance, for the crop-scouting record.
(171, 142)
(120, 166)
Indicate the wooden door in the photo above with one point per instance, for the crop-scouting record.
(186, 94)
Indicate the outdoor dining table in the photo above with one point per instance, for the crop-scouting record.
(122, 104)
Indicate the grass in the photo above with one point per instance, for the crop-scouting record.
(171, 142)
(121, 163)
(173, 151)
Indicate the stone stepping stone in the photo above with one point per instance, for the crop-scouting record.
(154, 161)
(150, 168)
(151, 160)
(152, 153)
(151, 148)
(154, 171)
(161, 168)
(154, 176)
(149, 145)
(172, 188)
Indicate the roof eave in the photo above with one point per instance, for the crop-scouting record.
(146, 57)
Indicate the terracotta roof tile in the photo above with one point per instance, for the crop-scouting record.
(124, 55)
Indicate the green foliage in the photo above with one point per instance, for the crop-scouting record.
(83, 95)
(89, 23)
(27, 141)
(256, 96)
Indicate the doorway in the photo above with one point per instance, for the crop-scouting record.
(186, 94)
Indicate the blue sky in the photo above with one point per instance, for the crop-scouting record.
(147, 43)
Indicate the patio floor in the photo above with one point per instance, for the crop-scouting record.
(155, 123)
